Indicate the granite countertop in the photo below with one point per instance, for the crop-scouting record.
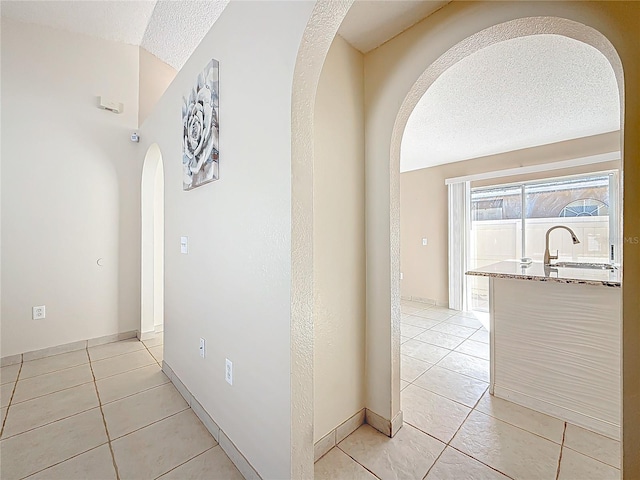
(538, 272)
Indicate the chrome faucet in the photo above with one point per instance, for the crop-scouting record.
(547, 256)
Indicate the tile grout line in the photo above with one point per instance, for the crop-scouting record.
(65, 460)
(13, 392)
(149, 351)
(192, 458)
(564, 433)
(448, 444)
(460, 427)
(347, 454)
(104, 420)
(154, 422)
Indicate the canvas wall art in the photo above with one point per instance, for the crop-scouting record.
(200, 130)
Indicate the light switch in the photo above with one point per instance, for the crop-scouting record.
(424, 242)
(184, 244)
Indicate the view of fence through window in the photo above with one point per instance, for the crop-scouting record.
(580, 203)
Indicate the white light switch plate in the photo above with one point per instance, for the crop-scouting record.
(228, 372)
(184, 245)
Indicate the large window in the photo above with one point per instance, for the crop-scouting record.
(510, 221)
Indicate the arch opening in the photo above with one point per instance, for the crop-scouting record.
(152, 254)
(383, 258)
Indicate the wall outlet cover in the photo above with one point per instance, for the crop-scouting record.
(38, 313)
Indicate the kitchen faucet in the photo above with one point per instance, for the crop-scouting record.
(547, 256)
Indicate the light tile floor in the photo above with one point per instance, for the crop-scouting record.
(107, 412)
(454, 429)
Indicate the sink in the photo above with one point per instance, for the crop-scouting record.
(593, 266)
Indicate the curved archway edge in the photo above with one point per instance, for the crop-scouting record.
(151, 273)
(390, 101)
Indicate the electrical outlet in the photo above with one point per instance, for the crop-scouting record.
(202, 347)
(184, 245)
(228, 372)
(401, 276)
(38, 313)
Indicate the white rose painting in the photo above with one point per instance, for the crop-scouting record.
(200, 130)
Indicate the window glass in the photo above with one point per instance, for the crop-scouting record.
(579, 203)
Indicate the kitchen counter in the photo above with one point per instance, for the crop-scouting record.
(538, 272)
(555, 341)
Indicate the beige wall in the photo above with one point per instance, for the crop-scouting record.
(391, 73)
(234, 287)
(338, 240)
(70, 193)
(155, 77)
(423, 205)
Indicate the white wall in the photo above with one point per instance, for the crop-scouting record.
(70, 194)
(391, 75)
(234, 286)
(338, 240)
(155, 76)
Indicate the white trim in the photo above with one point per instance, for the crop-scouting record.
(544, 167)
(459, 227)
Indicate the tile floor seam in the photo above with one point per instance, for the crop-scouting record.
(519, 427)
(434, 463)
(49, 423)
(62, 461)
(54, 371)
(132, 394)
(13, 392)
(454, 436)
(589, 456)
(149, 351)
(126, 371)
(347, 454)
(451, 399)
(196, 456)
(459, 353)
(441, 366)
(118, 355)
(473, 409)
(564, 432)
(104, 420)
(51, 393)
(153, 423)
(448, 444)
(483, 463)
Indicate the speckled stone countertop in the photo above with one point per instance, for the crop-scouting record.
(538, 272)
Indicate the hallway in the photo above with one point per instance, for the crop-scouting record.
(84, 414)
(453, 428)
(88, 414)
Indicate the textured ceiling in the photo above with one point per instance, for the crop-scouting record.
(177, 28)
(123, 22)
(515, 94)
(170, 29)
(371, 23)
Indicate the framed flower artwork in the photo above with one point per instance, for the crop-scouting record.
(200, 130)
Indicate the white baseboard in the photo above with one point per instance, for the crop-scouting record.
(335, 436)
(387, 427)
(234, 454)
(66, 348)
(585, 421)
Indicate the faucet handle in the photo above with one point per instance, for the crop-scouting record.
(554, 257)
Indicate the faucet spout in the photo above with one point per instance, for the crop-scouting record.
(547, 255)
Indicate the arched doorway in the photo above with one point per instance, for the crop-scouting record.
(152, 274)
(468, 24)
